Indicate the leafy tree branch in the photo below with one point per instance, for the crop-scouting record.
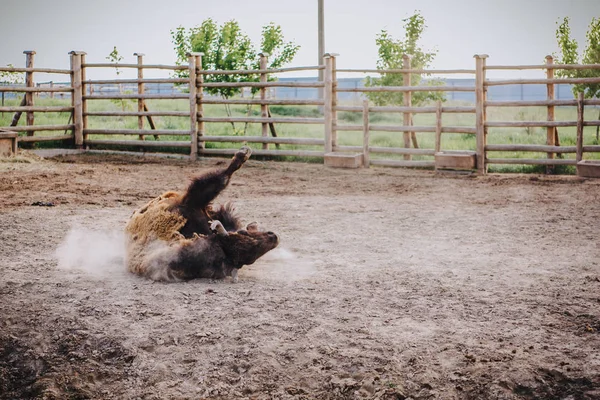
(391, 51)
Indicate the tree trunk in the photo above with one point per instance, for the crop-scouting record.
(248, 114)
(598, 128)
(228, 111)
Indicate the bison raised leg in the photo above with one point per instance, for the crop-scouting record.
(203, 190)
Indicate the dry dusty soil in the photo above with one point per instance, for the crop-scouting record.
(387, 284)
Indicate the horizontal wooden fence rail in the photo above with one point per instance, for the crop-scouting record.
(261, 84)
(267, 153)
(207, 100)
(389, 150)
(398, 128)
(409, 71)
(523, 124)
(542, 81)
(137, 113)
(42, 109)
(261, 139)
(257, 71)
(129, 81)
(31, 128)
(136, 66)
(531, 148)
(136, 96)
(40, 70)
(261, 120)
(139, 143)
(414, 110)
(409, 89)
(540, 103)
(36, 139)
(531, 161)
(458, 129)
(18, 89)
(543, 67)
(541, 148)
(171, 132)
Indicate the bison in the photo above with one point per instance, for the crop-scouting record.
(182, 236)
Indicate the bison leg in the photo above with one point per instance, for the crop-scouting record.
(239, 159)
(234, 275)
(205, 188)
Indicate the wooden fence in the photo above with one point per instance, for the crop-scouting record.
(198, 133)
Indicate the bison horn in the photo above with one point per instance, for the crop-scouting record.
(217, 227)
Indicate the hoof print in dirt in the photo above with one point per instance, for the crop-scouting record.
(182, 236)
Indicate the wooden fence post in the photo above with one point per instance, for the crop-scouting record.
(579, 148)
(438, 126)
(406, 76)
(334, 102)
(77, 97)
(328, 103)
(480, 112)
(550, 131)
(199, 99)
(264, 109)
(193, 107)
(438, 129)
(29, 55)
(141, 90)
(366, 159)
(84, 119)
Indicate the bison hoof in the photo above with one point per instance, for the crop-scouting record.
(244, 153)
(234, 276)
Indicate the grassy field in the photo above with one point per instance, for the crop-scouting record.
(450, 141)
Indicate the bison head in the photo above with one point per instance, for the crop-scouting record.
(244, 246)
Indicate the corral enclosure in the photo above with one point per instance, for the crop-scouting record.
(388, 284)
(552, 132)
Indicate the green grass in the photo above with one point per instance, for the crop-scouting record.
(450, 141)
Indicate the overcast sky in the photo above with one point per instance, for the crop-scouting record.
(510, 31)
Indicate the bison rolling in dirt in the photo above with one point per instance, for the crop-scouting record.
(181, 236)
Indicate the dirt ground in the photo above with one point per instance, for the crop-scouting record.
(387, 284)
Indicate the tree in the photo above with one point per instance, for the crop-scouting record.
(391, 52)
(115, 58)
(227, 47)
(9, 77)
(569, 54)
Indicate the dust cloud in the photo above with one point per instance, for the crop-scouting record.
(95, 252)
(280, 264)
(102, 254)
